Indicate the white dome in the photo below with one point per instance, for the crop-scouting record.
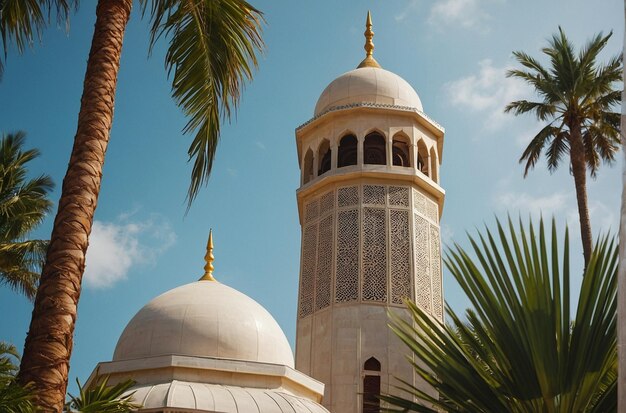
(205, 319)
(368, 85)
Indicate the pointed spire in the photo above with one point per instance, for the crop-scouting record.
(369, 60)
(209, 258)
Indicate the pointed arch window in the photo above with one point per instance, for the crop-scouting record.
(324, 156)
(422, 158)
(347, 151)
(401, 154)
(307, 171)
(371, 386)
(375, 149)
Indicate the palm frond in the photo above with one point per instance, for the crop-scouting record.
(99, 397)
(212, 53)
(24, 204)
(517, 349)
(533, 151)
(23, 21)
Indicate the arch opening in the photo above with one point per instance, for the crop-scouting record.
(307, 171)
(375, 149)
(371, 386)
(422, 158)
(324, 157)
(401, 153)
(347, 151)
(434, 175)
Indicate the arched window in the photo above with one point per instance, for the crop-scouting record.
(400, 155)
(323, 156)
(422, 157)
(433, 165)
(307, 171)
(347, 151)
(371, 386)
(374, 149)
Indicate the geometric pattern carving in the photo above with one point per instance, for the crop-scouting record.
(431, 211)
(347, 268)
(423, 285)
(311, 210)
(435, 259)
(348, 196)
(399, 196)
(307, 286)
(327, 202)
(419, 202)
(374, 254)
(400, 255)
(324, 263)
(374, 194)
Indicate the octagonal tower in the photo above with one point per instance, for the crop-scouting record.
(369, 205)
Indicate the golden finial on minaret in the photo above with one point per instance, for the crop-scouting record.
(369, 60)
(209, 258)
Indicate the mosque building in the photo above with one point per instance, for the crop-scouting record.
(369, 205)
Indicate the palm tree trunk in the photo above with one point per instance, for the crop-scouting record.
(48, 345)
(579, 170)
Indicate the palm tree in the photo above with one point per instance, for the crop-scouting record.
(212, 52)
(578, 101)
(14, 398)
(518, 350)
(23, 206)
(101, 398)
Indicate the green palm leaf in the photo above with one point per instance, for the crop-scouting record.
(211, 55)
(23, 206)
(517, 349)
(101, 398)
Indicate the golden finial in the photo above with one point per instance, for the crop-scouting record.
(369, 60)
(209, 258)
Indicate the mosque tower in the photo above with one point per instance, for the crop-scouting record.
(369, 205)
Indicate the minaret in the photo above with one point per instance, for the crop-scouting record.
(369, 206)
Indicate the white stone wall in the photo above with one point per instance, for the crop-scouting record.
(366, 245)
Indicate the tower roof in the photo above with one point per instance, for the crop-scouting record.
(368, 83)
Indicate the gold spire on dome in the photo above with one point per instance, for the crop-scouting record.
(369, 60)
(209, 258)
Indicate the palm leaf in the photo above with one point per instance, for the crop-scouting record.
(516, 349)
(99, 397)
(212, 52)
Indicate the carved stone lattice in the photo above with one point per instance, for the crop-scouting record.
(400, 255)
(348, 196)
(324, 263)
(399, 196)
(374, 255)
(307, 286)
(432, 211)
(312, 210)
(347, 267)
(419, 202)
(327, 203)
(422, 264)
(435, 258)
(374, 194)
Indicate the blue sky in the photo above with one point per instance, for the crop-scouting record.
(453, 52)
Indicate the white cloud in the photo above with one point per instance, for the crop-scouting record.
(487, 92)
(464, 13)
(536, 205)
(562, 205)
(260, 145)
(116, 247)
(410, 7)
